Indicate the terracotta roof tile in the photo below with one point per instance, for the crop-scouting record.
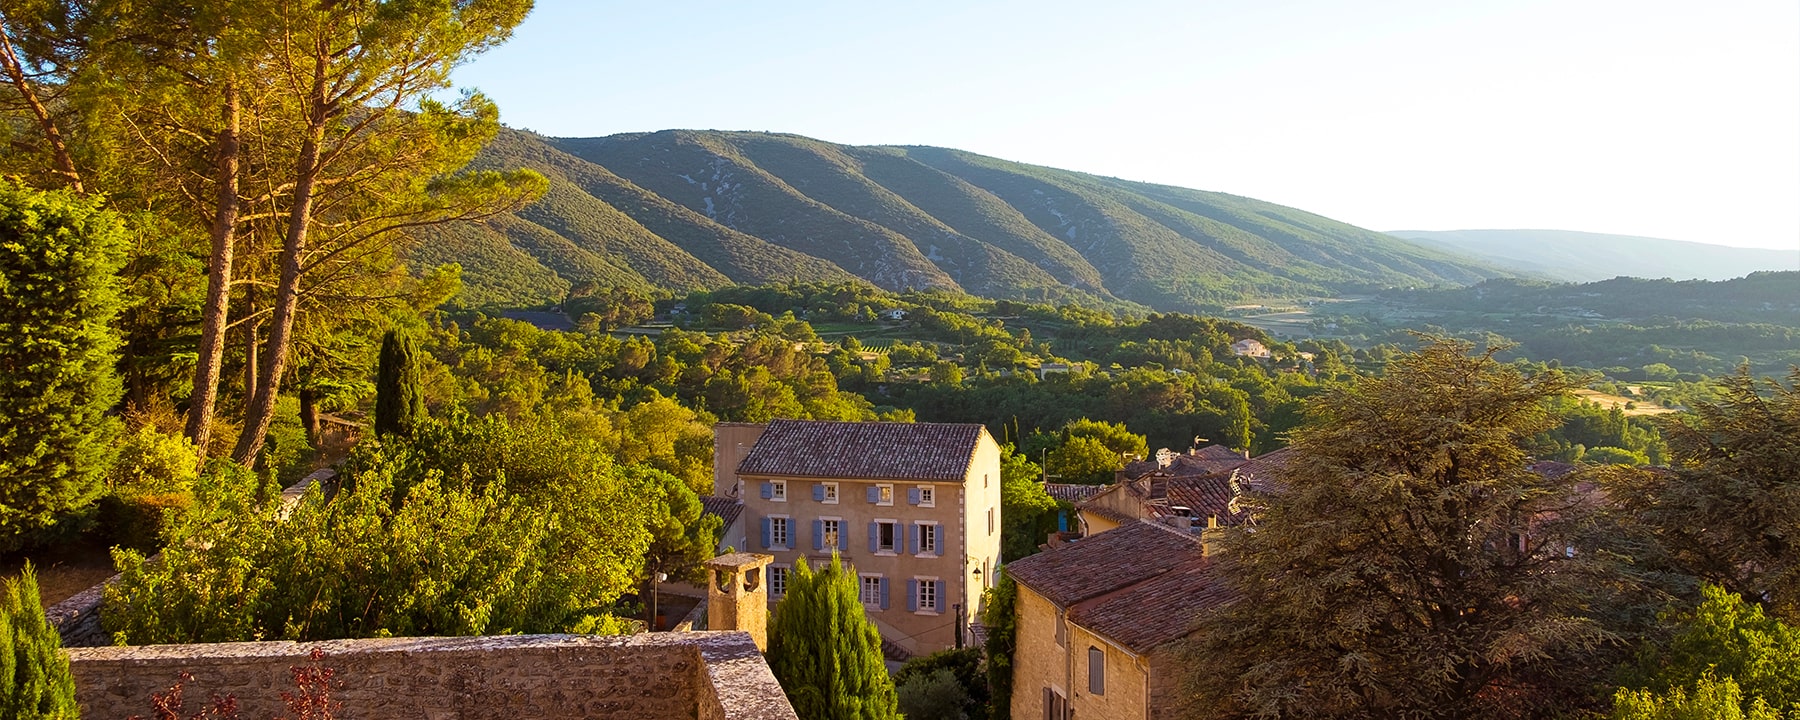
(864, 450)
(726, 508)
(1157, 610)
(1209, 495)
(1100, 564)
(1263, 472)
(1072, 492)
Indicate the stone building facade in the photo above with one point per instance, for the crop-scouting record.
(914, 508)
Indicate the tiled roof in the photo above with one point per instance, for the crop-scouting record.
(1072, 492)
(1263, 472)
(726, 508)
(864, 450)
(1209, 495)
(1206, 461)
(1157, 610)
(1100, 564)
(1551, 469)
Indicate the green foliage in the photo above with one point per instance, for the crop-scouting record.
(1724, 511)
(609, 308)
(477, 527)
(1711, 699)
(1724, 650)
(1000, 614)
(935, 695)
(682, 534)
(1027, 512)
(924, 693)
(35, 681)
(1084, 460)
(1407, 564)
(399, 400)
(825, 651)
(58, 297)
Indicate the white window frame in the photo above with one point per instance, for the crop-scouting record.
(778, 491)
(785, 541)
(831, 493)
(897, 534)
(937, 592)
(829, 538)
(927, 496)
(863, 590)
(778, 588)
(884, 494)
(937, 538)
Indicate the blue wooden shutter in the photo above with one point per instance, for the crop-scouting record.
(818, 534)
(843, 537)
(874, 536)
(768, 490)
(912, 496)
(767, 523)
(912, 596)
(883, 582)
(912, 538)
(818, 492)
(874, 494)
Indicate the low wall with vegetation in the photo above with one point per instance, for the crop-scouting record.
(705, 675)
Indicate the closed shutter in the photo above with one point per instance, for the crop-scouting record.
(767, 490)
(818, 534)
(767, 524)
(1096, 671)
(912, 595)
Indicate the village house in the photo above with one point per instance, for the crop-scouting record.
(1098, 620)
(1250, 348)
(914, 508)
(1192, 491)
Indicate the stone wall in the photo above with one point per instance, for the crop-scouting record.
(705, 675)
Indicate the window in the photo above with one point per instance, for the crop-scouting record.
(927, 539)
(1096, 671)
(990, 521)
(928, 595)
(984, 479)
(884, 494)
(1056, 707)
(777, 580)
(1062, 630)
(871, 591)
(828, 534)
(778, 491)
(826, 493)
(883, 536)
(927, 496)
(778, 532)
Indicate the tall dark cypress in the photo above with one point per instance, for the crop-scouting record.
(399, 397)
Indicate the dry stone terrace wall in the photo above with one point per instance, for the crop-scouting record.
(702, 675)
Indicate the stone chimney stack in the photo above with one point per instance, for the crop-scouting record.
(737, 595)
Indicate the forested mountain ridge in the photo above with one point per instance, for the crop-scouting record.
(684, 210)
(1587, 257)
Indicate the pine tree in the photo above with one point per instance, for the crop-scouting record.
(399, 399)
(58, 295)
(35, 680)
(825, 651)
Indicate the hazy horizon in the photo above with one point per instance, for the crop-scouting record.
(1654, 119)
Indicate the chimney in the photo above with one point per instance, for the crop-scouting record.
(1209, 536)
(737, 595)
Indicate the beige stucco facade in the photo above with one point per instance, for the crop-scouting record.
(1047, 662)
(881, 532)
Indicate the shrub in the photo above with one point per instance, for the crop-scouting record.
(35, 682)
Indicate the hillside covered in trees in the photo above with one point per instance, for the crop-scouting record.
(687, 210)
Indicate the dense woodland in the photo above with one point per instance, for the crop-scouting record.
(231, 254)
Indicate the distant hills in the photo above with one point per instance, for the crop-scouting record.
(689, 210)
(1586, 257)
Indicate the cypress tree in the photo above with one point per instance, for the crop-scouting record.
(58, 296)
(35, 680)
(399, 398)
(826, 652)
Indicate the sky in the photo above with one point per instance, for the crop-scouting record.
(1676, 120)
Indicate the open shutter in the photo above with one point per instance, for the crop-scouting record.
(766, 525)
(874, 536)
(883, 582)
(818, 492)
(912, 595)
(912, 496)
(818, 534)
(874, 494)
(912, 538)
(843, 538)
(767, 490)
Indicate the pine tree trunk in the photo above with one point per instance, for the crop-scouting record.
(250, 363)
(59, 150)
(309, 415)
(217, 313)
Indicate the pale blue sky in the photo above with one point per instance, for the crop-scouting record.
(1643, 117)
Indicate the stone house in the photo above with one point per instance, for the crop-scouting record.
(1099, 620)
(913, 507)
(1191, 491)
(1250, 348)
